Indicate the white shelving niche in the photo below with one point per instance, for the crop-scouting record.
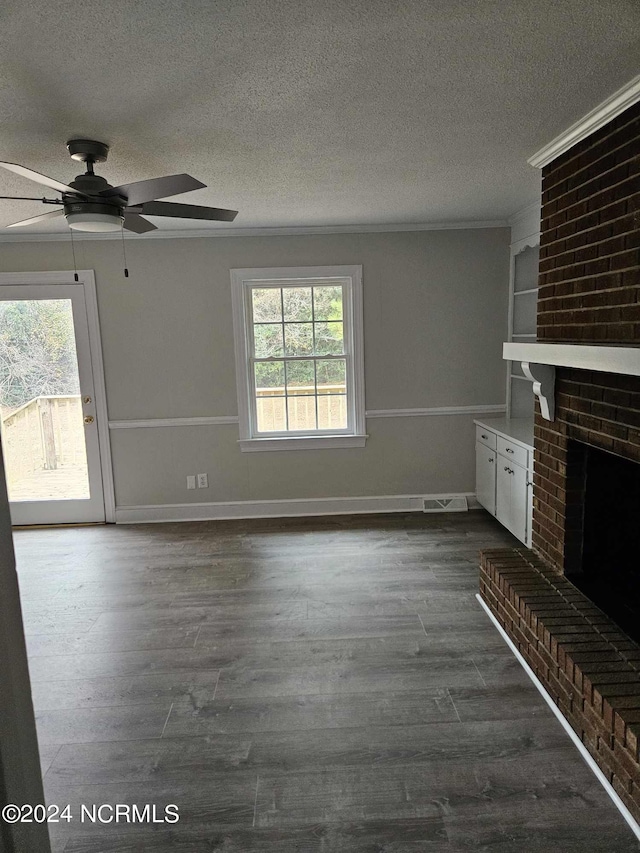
(523, 306)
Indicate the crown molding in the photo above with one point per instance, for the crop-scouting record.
(617, 103)
(287, 231)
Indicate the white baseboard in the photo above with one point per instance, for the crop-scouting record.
(143, 514)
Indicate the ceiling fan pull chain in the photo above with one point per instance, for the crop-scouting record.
(73, 251)
(124, 254)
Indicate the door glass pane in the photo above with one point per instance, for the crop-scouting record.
(41, 412)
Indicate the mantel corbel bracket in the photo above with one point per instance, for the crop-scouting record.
(543, 377)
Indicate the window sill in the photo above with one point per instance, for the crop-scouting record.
(302, 442)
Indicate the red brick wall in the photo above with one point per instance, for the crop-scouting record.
(589, 292)
(590, 245)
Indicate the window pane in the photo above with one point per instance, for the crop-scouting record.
(327, 302)
(332, 411)
(268, 340)
(267, 307)
(302, 413)
(331, 376)
(297, 303)
(269, 378)
(329, 339)
(300, 378)
(298, 338)
(271, 414)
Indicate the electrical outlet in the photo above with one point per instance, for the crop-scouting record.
(191, 481)
(203, 481)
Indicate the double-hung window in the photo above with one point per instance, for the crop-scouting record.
(299, 357)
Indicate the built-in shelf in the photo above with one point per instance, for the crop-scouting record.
(624, 360)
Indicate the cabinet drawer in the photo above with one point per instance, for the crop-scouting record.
(486, 437)
(512, 451)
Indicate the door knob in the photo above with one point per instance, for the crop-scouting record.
(88, 419)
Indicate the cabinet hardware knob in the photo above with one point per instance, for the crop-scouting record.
(484, 436)
(491, 459)
(505, 468)
(86, 400)
(509, 450)
(88, 419)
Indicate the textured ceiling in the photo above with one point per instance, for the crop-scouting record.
(309, 113)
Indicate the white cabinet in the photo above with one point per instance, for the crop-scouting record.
(512, 497)
(504, 465)
(486, 477)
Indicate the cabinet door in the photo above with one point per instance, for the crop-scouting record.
(503, 492)
(519, 502)
(486, 477)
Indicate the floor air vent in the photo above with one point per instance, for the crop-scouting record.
(452, 504)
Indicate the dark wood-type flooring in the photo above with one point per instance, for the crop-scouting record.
(314, 686)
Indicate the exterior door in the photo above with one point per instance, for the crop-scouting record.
(48, 405)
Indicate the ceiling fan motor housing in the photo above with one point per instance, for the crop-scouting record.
(88, 150)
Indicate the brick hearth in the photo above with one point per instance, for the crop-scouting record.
(586, 664)
(589, 292)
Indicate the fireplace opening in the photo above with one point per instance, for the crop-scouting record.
(610, 574)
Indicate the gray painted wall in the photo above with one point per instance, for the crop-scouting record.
(435, 317)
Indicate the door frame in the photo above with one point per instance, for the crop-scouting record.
(87, 279)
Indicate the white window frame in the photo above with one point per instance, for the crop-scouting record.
(242, 282)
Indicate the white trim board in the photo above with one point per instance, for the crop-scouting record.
(146, 423)
(625, 97)
(172, 422)
(624, 811)
(285, 231)
(291, 508)
(498, 408)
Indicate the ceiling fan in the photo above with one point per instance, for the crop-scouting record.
(89, 203)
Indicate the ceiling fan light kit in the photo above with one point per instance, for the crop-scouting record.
(90, 204)
(93, 217)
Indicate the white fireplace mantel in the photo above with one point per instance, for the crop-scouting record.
(539, 361)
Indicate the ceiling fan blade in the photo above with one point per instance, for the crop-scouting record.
(51, 215)
(187, 211)
(138, 224)
(142, 191)
(38, 178)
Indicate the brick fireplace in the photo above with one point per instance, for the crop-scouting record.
(589, 293)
